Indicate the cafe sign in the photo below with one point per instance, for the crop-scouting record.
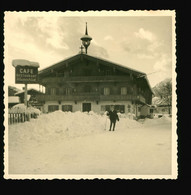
(25, 71)
(25, 74)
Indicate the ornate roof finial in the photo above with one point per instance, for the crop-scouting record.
(86, 39)
(86, 33)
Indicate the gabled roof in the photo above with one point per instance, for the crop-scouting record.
(86, 56)
(96, 59)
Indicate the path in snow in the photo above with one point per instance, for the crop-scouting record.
(139, 150)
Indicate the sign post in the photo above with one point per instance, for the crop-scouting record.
(26, 72)
(25, 97)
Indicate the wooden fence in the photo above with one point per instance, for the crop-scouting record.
(20, 117)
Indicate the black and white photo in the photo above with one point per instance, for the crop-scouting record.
(90, 95)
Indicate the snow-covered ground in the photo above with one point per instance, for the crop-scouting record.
(77, 143)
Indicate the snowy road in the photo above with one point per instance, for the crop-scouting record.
(131, 151)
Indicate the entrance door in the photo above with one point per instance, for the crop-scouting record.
(86, 107)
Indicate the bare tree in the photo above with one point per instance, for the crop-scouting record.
(163, 90)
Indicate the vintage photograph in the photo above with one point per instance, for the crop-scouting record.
(90, 95)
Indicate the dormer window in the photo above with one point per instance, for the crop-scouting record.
(106, 91)
(123, 90)
(108, 72)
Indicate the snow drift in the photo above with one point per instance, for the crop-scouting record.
(77, 143)
(59, 125)
(157, 121)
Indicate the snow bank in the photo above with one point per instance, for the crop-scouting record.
(157, 121)
(60, 125)
(21, 108)
(128, 115)
(76, 143)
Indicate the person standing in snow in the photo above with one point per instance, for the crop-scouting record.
(113, 117)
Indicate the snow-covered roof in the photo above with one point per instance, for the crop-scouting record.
(21, 108)
(13, 99)
(22, 62)
(29, 90)
(60, 63)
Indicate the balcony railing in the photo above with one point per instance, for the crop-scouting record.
(79, 79)
(85, 96)
(116, 97)
(73, 97)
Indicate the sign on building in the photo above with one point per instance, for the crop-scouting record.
(25, 71)
(26, 74)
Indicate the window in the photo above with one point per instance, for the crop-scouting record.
(68, 91)
(105, 108)
(108, 72)
(53, 91)
(123, 90)
(106, 91)
(129, 108)
(67, 108)
(52, 108)
(118, 108)
(86, 107)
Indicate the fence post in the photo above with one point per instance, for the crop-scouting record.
(23, 117)
(13, 118)
(9, 119)
(19, 117)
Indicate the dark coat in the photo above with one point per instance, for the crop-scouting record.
(113, 115)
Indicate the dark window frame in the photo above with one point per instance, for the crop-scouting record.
(52, 108)
(67, 108)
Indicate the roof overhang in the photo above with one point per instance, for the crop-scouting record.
(97, 59)
(137, 73)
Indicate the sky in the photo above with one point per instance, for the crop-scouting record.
(142, 42)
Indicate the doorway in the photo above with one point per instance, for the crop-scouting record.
(86, 107)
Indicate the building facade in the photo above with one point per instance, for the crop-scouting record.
(86, 83)
(32, 100)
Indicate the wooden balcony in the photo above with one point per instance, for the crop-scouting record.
(81, 79)
(73, 97)
(117, 97)
(85, 96)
